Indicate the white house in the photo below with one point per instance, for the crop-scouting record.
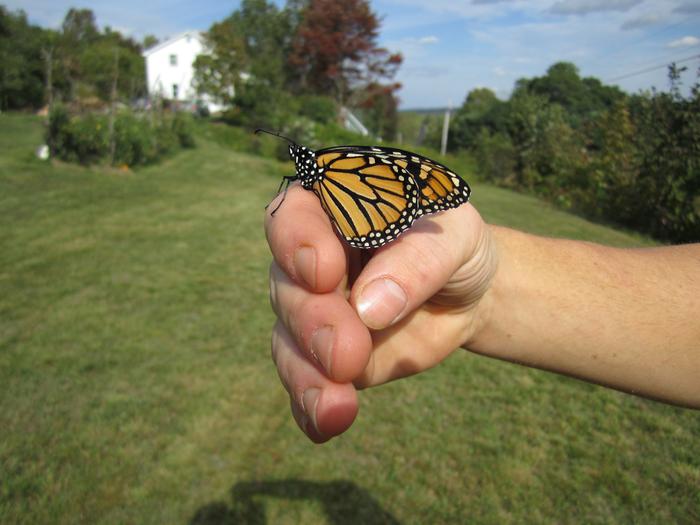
(170, 69)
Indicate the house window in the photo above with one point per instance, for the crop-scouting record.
(175, 90)
(173, 60)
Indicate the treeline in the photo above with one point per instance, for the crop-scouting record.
(77, 64)
(633, 160)
(284, 68)
(292, 66)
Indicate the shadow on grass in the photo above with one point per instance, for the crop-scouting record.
(343, 503)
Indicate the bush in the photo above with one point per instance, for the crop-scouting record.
(183, 127)
(133, 141)
(496, 157)
(57, 127)
(76, 139)
(318, 108)
(137, 139)
(88, 138)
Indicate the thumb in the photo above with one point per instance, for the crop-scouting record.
(424, 261)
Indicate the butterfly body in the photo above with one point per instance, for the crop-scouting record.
(372, 194)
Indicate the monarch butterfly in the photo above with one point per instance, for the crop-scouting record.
(372, 194)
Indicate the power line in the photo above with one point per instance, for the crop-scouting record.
(652, 34)
(654, 68)
(653, 61)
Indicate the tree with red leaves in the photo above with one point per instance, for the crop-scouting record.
(334, 51)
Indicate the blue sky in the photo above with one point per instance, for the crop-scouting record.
(452, 46)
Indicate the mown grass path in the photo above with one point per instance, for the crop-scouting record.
(136, 384)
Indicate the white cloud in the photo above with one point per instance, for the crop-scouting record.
(686, 41)
(428, 40)
(478, 9)
(584, 7)
(641, 21)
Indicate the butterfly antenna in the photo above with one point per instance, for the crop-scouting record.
(274, 134)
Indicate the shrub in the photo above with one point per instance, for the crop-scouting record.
(183, 127)
(496, 157)
(318, 108)
(88, 138)
(56, 132)
(76, 139)
(133, 140)
(166, 140)
(137, 139)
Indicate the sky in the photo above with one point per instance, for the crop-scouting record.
(451, 47)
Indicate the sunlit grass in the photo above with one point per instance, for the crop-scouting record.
(136, 384)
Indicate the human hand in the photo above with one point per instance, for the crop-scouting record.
(349, 318)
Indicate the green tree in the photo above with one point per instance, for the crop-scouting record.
(149, 41)
(22, 67)
(78, 32)
(481, 109)
(581, 97)
(668, 139)
(246, 65)
(613, 188)
(381, 110)
(97, 64)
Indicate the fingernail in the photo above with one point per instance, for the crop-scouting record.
(309, 400)
(305, 265)
(380, 303)
(322, 346)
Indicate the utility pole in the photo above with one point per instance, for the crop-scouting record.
(445, 129)
(113, 97)
(48, 58)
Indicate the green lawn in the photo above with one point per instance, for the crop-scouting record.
(136, 384)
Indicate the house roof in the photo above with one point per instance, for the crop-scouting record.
(170, 41)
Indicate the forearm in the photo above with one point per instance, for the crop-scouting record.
(628, 319)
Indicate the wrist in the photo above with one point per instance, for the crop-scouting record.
(485, 327)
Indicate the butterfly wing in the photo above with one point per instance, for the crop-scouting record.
(369, 197)
(439, 187)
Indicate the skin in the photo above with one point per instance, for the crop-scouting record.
(349, 319)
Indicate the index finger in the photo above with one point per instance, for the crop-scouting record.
(303, 241)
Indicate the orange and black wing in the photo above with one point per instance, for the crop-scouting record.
(370, 197)
(440, 188)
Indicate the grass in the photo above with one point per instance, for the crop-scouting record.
(137, 385)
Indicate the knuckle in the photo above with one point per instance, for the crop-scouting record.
(274, 300)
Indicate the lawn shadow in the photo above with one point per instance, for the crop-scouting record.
(343, 503)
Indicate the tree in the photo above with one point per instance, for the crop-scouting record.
(246, 62)
(581, 97)
(381, 108)
(668, 141)
(334, 51)
(79, 27)
(481, 109)
(149, 41)
(218, 72)
(78, 32)
(97, 66)
(22, 65)
(613, 187)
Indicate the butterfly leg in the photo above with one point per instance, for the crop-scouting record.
(288, 180)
